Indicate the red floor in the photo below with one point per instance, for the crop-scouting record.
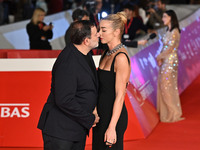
(183, 135)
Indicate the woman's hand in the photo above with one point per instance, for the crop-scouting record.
(110, 136)
(159, 63)
(159, 60)
(47, 27)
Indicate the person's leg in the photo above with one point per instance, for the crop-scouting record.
(80, 145)
(53, 143)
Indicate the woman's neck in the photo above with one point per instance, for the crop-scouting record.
(169, 27)
(113, 44)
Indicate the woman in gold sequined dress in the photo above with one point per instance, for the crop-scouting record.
(168, 101)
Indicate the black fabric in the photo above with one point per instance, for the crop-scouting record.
(88, 60)
(35, 34)
(136, 25)
(104, 108)
(53, 143)
(74, 91)
(133, 44)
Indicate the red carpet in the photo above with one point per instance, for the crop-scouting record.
(183, 135)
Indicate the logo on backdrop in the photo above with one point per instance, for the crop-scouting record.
(14, 110)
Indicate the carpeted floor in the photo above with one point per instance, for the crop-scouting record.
(183, 135)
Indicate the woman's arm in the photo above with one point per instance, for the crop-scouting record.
(122, 68)
(171, 45)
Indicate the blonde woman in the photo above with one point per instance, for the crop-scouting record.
(39, 33)
(113, 73)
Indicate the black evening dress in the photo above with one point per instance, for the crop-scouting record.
(105, 107)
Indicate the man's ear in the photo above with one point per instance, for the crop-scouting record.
(86, 41)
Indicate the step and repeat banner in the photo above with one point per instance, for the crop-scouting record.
(25, 85)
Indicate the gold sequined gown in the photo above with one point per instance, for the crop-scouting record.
(168, 101)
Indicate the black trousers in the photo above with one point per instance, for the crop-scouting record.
(53, 143)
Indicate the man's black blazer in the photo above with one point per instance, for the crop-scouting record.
(74, 90)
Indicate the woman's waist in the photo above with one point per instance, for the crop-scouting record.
(107, 108)
(171, 56)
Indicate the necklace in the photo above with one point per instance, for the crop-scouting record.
(116, 48)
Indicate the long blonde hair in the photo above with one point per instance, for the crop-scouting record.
(36, 14)
(118, 21)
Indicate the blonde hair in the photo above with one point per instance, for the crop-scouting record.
(36, 14)
(118, 21)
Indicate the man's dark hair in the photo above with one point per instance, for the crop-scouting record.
(90, 5)
(80, 30)
(78, 14)
(129, 7)
(163, 1)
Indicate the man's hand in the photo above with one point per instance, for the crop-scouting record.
(96, 117)
(96, 120)
(142, 42)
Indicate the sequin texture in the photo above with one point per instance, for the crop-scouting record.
(168, 101)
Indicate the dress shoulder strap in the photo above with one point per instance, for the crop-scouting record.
(104, 54)
(112, 65)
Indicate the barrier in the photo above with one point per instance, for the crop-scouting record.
(10, 53)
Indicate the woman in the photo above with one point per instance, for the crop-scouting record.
(168, 102)
(113, 72)
(38, 31)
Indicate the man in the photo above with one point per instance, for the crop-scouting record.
(94, 8)
(77, 14)
(161, 7)
(68, 114)
(155, 12)
(132, 27)
(134, 23)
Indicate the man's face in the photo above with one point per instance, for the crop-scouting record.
(94, 40)
(85, 18)
(98, 6)
(129, 13)
(160, 5)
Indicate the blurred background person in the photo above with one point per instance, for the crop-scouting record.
(134, 26)
(27, 9)
(168, 101)
(94, 8)
(1, 12)
(161, 7)
(77, 15)
(9, 8)
(194, 1)
(42, 4)
(39, 33)
(155, 18)
(142, 5)
(54, 6)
